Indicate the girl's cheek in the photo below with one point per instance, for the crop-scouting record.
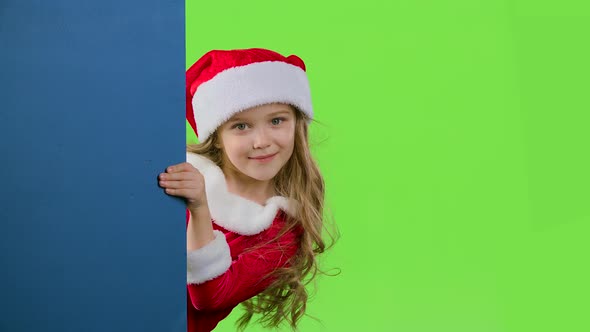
(238, 145)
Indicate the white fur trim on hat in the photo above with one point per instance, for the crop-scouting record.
(231, 211)
(209, 261)
(239, 88)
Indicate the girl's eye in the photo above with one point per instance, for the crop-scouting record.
(240, 126)
(277, 121)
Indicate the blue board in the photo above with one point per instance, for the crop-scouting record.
(91, 110)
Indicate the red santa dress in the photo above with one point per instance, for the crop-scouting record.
(221, 274)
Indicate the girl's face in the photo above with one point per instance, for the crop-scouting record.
(259, 141)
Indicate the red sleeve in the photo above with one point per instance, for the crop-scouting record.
(244, 277)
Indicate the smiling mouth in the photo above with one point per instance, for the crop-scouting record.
(268, 156)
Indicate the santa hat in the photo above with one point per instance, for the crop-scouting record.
(225, 82)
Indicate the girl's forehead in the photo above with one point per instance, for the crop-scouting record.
(263, 111)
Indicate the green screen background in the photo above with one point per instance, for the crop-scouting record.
(453, 139)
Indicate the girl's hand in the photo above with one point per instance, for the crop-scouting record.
(184, 180)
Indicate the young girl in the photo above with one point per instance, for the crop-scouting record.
(253, 192)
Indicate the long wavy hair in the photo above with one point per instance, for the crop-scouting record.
(299, 179)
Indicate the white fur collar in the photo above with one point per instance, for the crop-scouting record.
(231, 211)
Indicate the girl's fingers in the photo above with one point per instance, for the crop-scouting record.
(182, 167)
(186, 193)
(182, 180)
(181, 184)
(178, 176)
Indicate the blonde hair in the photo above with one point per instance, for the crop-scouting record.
(299, 179)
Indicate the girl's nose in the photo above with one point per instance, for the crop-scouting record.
(261, 139)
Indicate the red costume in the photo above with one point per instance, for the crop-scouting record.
(220, 275)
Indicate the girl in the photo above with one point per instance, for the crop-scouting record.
(253, 192)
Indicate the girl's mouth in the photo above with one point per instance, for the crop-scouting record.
(265, 158)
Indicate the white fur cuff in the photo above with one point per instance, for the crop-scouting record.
(208, 262)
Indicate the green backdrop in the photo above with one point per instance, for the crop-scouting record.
(454, 144)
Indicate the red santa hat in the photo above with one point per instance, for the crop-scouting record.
(225, 82)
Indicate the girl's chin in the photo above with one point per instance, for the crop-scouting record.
(261, 176)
